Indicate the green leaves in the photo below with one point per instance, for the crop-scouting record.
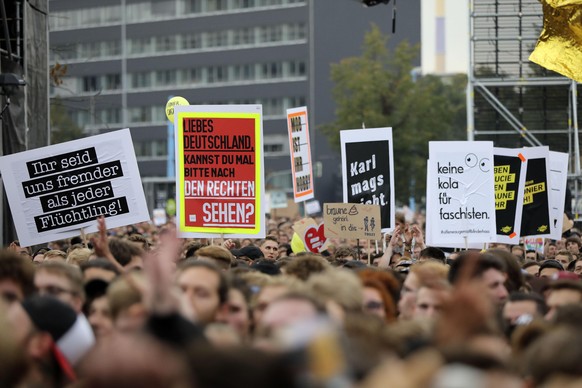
(378, 89)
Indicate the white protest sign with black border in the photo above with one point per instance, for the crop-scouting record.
(368, 170)
(461, 209)
(509, 170)
(56, 191)
(535, 220)
(300, 146)
(558, 179)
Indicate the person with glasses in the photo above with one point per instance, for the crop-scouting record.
(16, 277)
(62, 281)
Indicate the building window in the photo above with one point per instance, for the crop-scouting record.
(165, 77)
(90, 84)
(191, 41)
(165, 43)
(141, 80)
(112, 82)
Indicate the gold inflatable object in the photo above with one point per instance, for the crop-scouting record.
(559, 47)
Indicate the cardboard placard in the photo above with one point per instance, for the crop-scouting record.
(300, 146)
(460, 193)
(509, 171)
(368, 170)
(55, 191)
(348, 220)
(219, 168)
(311, 234)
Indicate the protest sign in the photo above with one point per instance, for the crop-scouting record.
(299, 143)
(350, 220)
(219, 170)
(311, 234)
(275, 200)
(461, 208)
(558, 179)
(312, 207)
(368, 170)
(535, 220)
(55, 191)
(509, 171)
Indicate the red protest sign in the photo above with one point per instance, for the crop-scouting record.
(219, 170)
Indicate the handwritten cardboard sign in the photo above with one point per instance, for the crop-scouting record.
(348, 220)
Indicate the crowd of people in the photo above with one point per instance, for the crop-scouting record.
(137, 306)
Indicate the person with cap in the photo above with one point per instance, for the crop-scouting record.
(54, 338)
(249, 253)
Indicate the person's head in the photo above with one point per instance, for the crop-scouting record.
(124, 298)
(79, 256)
(549, 268)
(99, 269)
(53, 335)
(531, 254)
(205, 287)
(307, 265)
(430, 300)
(376, 300)
(531, 267)
(127, 254)
(270, 247)
(431, 253)
(62, 281)
(486, 268)
(562, 292)
(271, 289)
(348, 297)
(289, 309)
(55, 255)
(140, 241)
(248, 253)
(573, 244)
(16, 276)
(38, 255)
(344, 253)
(238, 314)
(551, 249)
(420, 274)
(97, 309)
(515, 279)
(578, 267)
(518, 251)
(520, 305)
(564, 257)
(218, 255)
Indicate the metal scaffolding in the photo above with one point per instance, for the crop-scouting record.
(512, 101)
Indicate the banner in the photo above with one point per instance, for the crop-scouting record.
(460, 193)
(509, 171)
(368, 170)
(347, 220)
(535, 220)
(300, 146)
(558, 179)
(55, 191)
(219, 171)
(309, 236)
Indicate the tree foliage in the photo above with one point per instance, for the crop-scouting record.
(378, 89)
(63, 128)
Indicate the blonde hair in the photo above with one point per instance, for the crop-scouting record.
(338, 285)
(79, 256)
